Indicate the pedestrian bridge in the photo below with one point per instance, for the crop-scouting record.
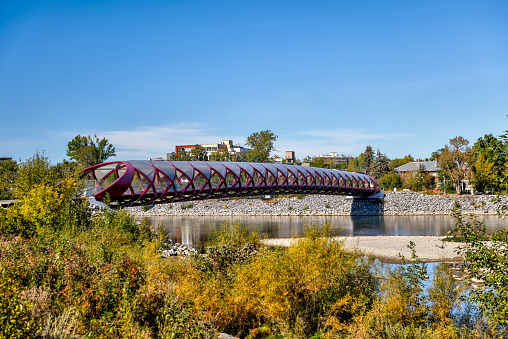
(131, 183)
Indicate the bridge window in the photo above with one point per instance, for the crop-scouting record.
(348, 182)
(181, 181)
(319, 180)
(281, 179)
(335, 182)
(310, 179)
(215, 180)
(327, 181)
(245, 179)
(139, 182)
(341, 182)
(270, 179)
(291, 179)
(258, 179)
(161, 182)
(301, 180)
(230, 179)
(199, 180)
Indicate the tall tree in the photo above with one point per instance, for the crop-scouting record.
(484, 174)
(198, 153)
(368, 159)
(261, 144)
(455, 161)
(381, 165)
(494, 151)
(88, 151)
(182, 155)
(220, 155)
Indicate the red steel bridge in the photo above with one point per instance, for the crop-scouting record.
(130, 183)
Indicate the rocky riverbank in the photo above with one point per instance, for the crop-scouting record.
(395, 203)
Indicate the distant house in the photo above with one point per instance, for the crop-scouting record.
(431, 167)
(409, 170)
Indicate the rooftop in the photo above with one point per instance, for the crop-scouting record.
(429, 166)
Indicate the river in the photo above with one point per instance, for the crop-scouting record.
(195, 231)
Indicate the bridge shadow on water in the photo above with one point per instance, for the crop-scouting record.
(361, 207)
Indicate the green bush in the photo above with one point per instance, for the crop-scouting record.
(15, 312)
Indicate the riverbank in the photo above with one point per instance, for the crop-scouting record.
(395, 203)
(388, 248)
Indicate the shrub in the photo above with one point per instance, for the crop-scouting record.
(15, 312)
(288, 290)
(486, 258)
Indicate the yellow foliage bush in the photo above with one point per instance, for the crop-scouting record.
(293, 290)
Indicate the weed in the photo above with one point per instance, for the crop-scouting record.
(186, 206)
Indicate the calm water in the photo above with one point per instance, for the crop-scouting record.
(195, 231)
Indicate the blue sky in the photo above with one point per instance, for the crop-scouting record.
(325, 76)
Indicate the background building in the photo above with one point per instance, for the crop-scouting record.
(226, 145)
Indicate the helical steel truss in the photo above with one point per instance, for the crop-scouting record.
(150, 182)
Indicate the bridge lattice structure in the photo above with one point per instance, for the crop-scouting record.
(130, 183)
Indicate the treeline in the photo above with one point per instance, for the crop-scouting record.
(484, 165)
(17, 179)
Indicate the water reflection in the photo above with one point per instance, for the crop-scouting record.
(195, 231)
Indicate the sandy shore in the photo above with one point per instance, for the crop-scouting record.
(387, 248)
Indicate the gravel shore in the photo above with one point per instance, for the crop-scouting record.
(395, 203)
(388, 248)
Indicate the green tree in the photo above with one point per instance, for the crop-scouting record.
(36, 170)
(381, 165)
(435, 155)
(484, 174)
(88, 151)
(342, 165)
(220, 155)
(181, 156)
(8, 172)
(401, 161)
(356, 164)
(455, 161)
(237, 156)
(198, 153)
(390, 181)
(261, 144)
(495, 151)
(368, 159)
(486, 258)
(318, 162)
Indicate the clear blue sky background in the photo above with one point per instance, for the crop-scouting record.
(401, 76)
